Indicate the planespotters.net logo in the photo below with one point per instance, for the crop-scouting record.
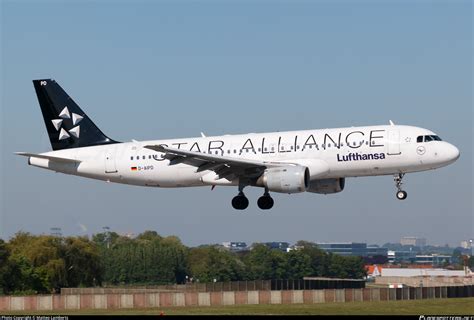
(446, 318)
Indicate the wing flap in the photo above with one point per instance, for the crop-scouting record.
(222, 165)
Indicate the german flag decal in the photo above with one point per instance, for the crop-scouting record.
(133, 168)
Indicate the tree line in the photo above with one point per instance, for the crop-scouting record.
(44, 264)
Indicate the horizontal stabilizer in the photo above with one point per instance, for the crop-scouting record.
(51, 158)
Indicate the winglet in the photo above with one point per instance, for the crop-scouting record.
(391, 122)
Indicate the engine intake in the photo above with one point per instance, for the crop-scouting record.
(286, 179)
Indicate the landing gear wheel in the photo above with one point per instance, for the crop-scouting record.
(240, 202)
(401, 195)
(265, 202)
(398, 178)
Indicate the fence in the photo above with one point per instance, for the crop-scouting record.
(317, 284)
(254, 285)
(185, 299)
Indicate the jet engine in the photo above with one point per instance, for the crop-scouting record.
(285, 179)
(326, 186)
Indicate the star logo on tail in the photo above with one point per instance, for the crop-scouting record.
(75, 118)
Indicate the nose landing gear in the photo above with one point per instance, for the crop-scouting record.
(401, 195)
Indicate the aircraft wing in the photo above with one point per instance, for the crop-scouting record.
(225, 167)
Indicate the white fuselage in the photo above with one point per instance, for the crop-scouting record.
(348, 152)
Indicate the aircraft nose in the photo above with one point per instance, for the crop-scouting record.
(452, 153)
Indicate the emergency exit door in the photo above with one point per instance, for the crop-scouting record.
(393, 142)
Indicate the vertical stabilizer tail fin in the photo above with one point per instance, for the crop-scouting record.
(67, 125)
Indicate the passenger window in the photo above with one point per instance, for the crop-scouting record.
(131, 158)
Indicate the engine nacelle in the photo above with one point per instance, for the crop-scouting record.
(287, 179)
(326, 186)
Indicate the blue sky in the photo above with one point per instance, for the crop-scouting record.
(161, 69)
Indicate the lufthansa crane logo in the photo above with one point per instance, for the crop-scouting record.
(420, 150)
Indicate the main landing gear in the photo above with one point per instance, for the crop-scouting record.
(241, 202)
(265, 202)
(401, 195)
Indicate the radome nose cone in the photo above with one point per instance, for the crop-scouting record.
(453, 153)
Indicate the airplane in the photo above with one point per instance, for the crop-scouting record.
(316, 161)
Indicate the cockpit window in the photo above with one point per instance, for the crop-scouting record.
(427, 138)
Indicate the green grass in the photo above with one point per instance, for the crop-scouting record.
(460, 306)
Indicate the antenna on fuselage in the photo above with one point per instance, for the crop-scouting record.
(391, 122)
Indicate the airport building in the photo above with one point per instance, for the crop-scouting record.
(353, 249)
(235, 246)
(433, 259)
(283, 246)
(413, 241)
(399, 256)
(376, 251)
(412, 257)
